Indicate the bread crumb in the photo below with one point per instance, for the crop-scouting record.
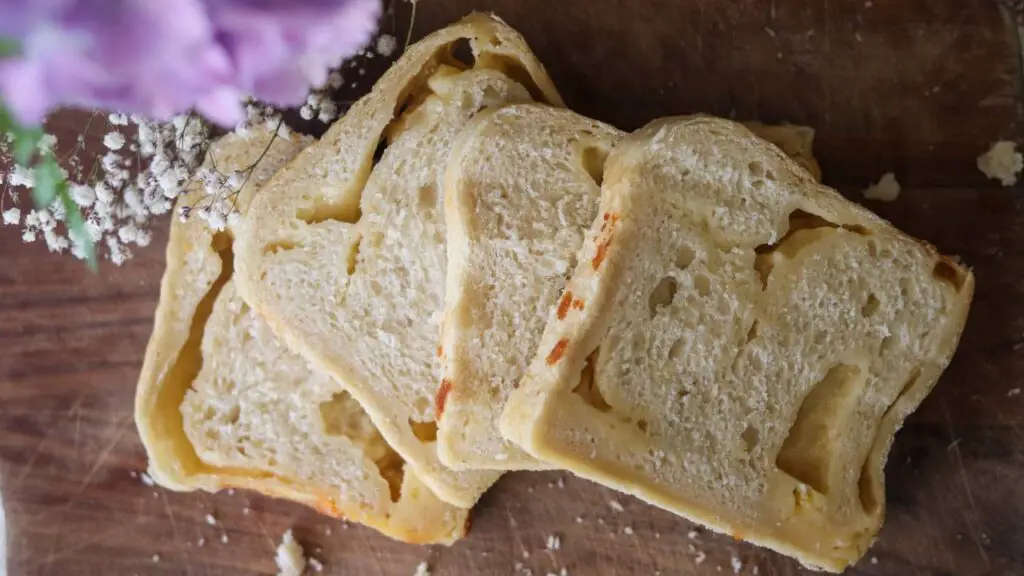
(211, 519)
(231, 491)
(315, 565)
(201, 542)
(526, 554)
(737, 564)
(327, 530)
(874, 559)
(1013, 392)
(692, 534)
(691, 548)
(1002, 162)
(147, 479)
(615, 505)
(133, 473)
(657, 535)
(246, 511)
(579, 520)
(701, 557)
(561, 482)
(628, 530)
(224, 538)
(886, 189)
(156, 557)
(554, 542)
(422, 569)
(290, 559)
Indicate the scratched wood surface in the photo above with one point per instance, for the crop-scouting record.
(919, 87)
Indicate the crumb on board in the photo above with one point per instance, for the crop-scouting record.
(874, 559)
(211, 519)
(315, 565)
(1002, 162)
(554, 542)
(156, 557)
(147, 479)
(628, 530)
(700, 558)
(422, 569)
(886, 189)
(615, 505)
(1013, 392)
(692, 534)
(290, 558)
(224, 538)
(737, 564)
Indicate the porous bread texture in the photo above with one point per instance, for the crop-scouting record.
(747, 346)
(521, 188)
(344, 252)
(221, 403)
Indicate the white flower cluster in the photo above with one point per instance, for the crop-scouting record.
(144, 168)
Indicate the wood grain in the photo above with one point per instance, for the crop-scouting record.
(71, 343)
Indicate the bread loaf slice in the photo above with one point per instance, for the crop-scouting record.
(747, 344)
(221, 403)
(344, 251)
(521, 188)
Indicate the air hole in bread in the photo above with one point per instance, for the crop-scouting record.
(343, 416)
(764, 260)
(702, 284)
(587, 388)
(662, 295)
(947, 271)
(758, 184)
(675, 352)
(752, 333)
(751, 438)
(823, 418)
(353, 256)
(684, 257)
(427, 197)
(461, 53)
(642, 425)
(756, 169)
(769, 175)
(870, 307)
(868, 485)
(189, 362)
(514, 69)
(426, 432)
(593, 159)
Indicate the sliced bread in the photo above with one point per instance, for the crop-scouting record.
(344, 251)
(522, 186)
(221, 403)
(747, 343)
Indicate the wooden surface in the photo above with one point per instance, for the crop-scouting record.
(920, 87)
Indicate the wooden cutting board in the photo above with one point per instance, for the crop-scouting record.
(918, 87)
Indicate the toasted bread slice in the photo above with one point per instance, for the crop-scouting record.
(221, 403)
(344, 251)
(522, 186)
(747, 344)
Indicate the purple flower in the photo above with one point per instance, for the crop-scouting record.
(161, 57)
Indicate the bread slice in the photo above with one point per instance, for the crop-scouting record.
(522, 186)
(221, 403)
(344, 251)
(747, 343)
